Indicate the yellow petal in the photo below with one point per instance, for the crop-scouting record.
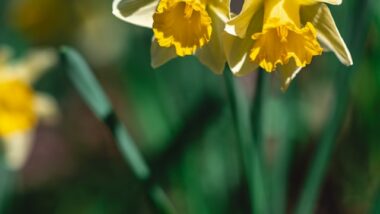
(239, 24)
(160, 55)
(16, 107)
(36, 63)
(5, 55)
(277, 45)
(328, 32)
(186, 25)
(311, 2)
(237, 49)
(30, 68)
(17, 147)
(220, 7)
(287, 73)
(212, 54)
(137, 12)
(46, 108)
(237, 53)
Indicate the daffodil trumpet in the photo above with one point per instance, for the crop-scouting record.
(20, 106)
(282, 36)
(180, 27)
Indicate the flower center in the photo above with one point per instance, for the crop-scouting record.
(282, 38)
(184, 24)
(16, 107)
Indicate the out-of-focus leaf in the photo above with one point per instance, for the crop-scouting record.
(319, 165)
(91, 91)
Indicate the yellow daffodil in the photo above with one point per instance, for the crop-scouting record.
(180, 27)
(282, 35)
(20, 106)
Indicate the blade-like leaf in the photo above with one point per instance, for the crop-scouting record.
(93, 94)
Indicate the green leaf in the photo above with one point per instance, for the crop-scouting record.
(93, 94)
(319, 165)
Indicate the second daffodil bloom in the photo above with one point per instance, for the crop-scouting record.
(180, 27)
(283, 36)
(20, 106)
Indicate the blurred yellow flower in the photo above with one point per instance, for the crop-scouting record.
(181, 27)
(16, 107)
(20, 105)
(44, 22)
(282, 35)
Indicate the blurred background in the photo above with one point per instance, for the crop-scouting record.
(180, 119)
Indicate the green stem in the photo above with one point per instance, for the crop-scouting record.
(319, 165)
(376, 203)
(252, 157)
(283, 157)
(314, 179)
(6, 185)
(95, 97)
(256, 109)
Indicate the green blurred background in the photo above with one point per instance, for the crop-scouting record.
(180, 118)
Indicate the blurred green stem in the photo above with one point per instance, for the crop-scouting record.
(376, 203)
(95, 97)
(256, 109)
(252, 157)
(325, 147)
(279, 176)
(284, 153)
(317, 171)
(6, 185)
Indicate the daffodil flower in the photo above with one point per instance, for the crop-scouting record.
(180, 27)
(20, 106)
(282, 35)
